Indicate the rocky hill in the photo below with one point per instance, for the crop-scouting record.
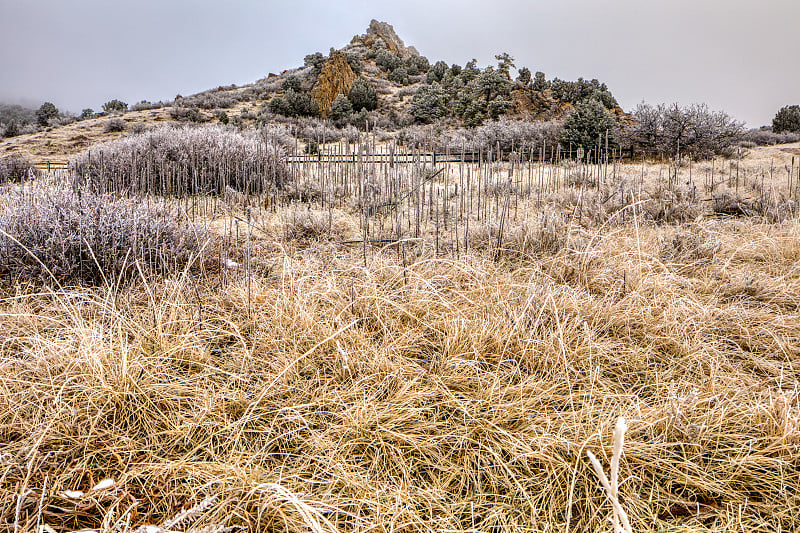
(375, 79)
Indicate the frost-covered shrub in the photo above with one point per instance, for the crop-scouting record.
(76, 236)
(765, 136)
(508, 134)
(15, 168)
(144, 105)
(278, 134)
(114, 124)
(184, 114)
(176, 161)
(693, 130)
(115, 106)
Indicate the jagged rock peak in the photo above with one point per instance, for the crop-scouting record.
(335, 78)
(384, 32)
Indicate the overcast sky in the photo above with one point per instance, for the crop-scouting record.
(737, 55)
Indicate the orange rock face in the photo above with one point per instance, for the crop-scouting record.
(335, 78)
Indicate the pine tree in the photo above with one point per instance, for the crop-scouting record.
(341, 108)
(586, 124)
(45, 113)
(363, 96)
(429, 103)
(787, 119)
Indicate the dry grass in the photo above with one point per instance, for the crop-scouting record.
(456, 396)
(324, 386)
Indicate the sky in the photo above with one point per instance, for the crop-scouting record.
(734, 55)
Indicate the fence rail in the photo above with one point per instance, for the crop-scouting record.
(403, 158)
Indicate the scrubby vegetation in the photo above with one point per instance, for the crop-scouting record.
(465, 353)
(175, 161)
(673, 130)
(60, 235)
(367, 336)
(16, 168)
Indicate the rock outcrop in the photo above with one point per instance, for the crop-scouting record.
(384, 32)
(335, 78)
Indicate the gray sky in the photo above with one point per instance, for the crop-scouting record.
(735, 55)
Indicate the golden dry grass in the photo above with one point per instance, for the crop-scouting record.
(445, 396)
(344, 390)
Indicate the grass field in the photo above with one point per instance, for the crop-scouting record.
(429, 367)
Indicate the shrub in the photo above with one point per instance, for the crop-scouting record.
(765, 136)
(291, 83)
(399, 76)
(302, 103)
(429, 103)
(45, 113)
(184, 114)
(341, 108)
(86, 114)
(12, 130)
(15, 168)
(692, 130)
(77, 236)
(586, 124)
(115, 106)
(362, 95)
(222, 116)
(787, 120)
(354, 61)
(177, 161)
(114, 125)
(280, 106)
(144, 105)
(387, 60)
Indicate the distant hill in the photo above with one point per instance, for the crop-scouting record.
(375, 79)
(408, 86)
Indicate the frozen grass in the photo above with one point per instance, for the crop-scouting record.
(445, 396)
(321, 383)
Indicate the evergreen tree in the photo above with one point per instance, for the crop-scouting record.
(115, 106)
(524, 76)
(429, 103)
(341, 108)
(12, 130)
(787, 119)
(539, 82)
(291, 83)
(363, 96)
(587, 123)
(280, 106)
(437, 71)
(45, 113)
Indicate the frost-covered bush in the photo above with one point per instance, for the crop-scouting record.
(15, 168)
(509, 134)
(177, 161)
(144, 105)
(693, 130)
(766, 136)
(115, 106)
(76, 236)
(185, 114)
(114, 124)
(278, 134)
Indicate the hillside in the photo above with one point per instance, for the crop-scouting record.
(377, 79)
